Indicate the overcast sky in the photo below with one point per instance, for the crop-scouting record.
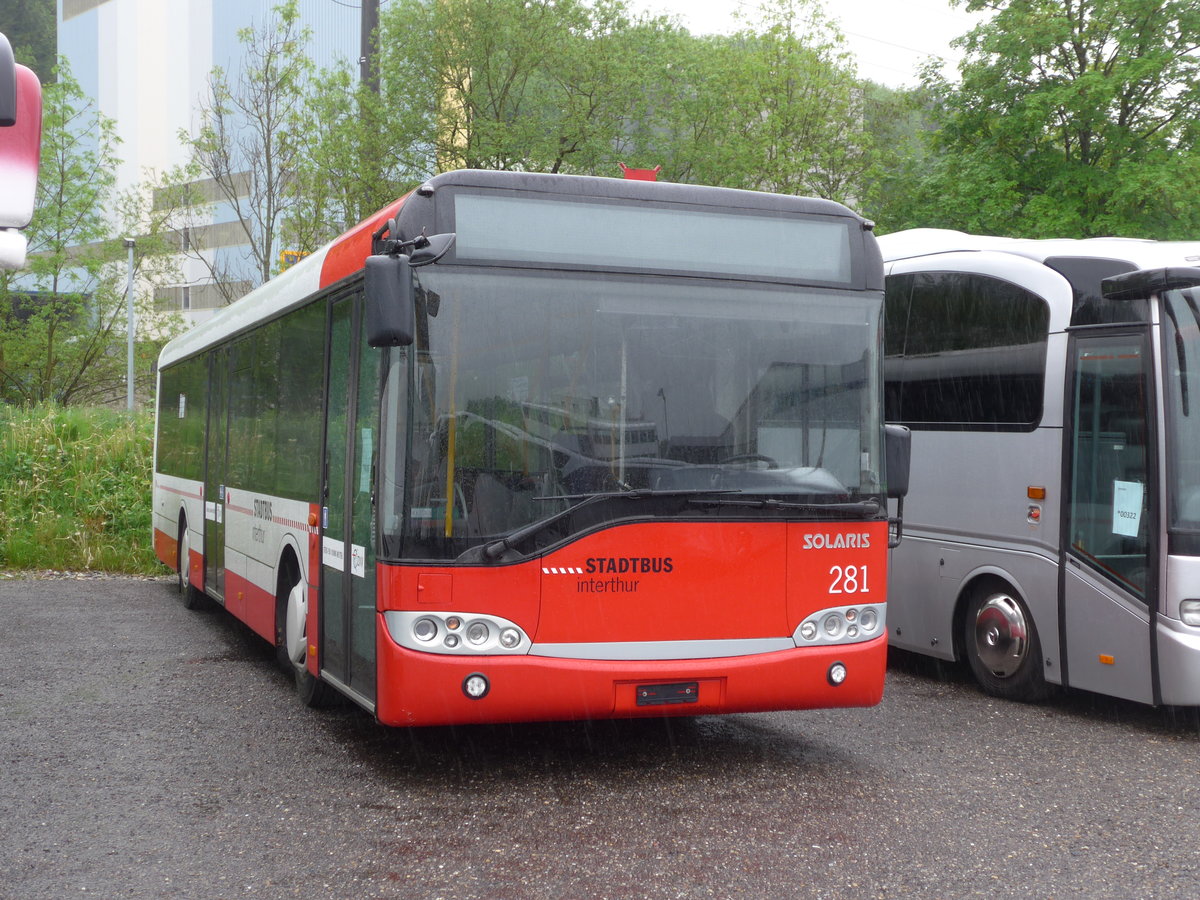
(889, 38)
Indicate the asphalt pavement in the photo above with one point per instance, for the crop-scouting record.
(149, 751)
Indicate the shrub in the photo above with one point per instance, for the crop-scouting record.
(75, 489)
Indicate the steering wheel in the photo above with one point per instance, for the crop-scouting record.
(751, 457)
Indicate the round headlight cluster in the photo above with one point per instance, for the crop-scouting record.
(456, 633)
(841, 625)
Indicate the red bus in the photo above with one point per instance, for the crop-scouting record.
(530, 447)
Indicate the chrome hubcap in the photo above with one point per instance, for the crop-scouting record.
(1001, 635)
(295, 633)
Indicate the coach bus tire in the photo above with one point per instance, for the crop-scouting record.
(291, 637)
(192, 598)
(1002, 646)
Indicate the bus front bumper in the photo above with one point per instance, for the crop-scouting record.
(419, 689)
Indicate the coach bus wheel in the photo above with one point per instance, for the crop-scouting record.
(1002, 645)
(192, 598)
(292, 638)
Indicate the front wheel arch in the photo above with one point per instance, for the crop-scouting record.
(291, 589)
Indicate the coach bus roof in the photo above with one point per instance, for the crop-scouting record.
(1142, 254)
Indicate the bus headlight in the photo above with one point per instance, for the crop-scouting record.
(843, 625)
(458, 634)
(1189, 611)
(425, 629)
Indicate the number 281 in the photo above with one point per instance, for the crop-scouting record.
(849, 580)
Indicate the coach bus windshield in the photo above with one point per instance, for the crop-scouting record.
(528, 392)
(1181, 337)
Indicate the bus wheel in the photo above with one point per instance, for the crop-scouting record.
(1002, 645)
(292, 640)
(192, 598)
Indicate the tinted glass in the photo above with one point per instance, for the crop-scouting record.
(1090, 306)
(964, 351)
(1107, 517)
(275, 406)
(298, 430)
(1181, 353)
(182, 412)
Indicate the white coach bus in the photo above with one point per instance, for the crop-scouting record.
(1052, 528)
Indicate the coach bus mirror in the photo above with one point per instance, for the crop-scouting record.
(431, 249)
(897, 457)
(8, 84)
(391, 313)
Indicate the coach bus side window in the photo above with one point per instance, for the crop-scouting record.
(964, 351)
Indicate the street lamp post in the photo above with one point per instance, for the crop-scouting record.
(129, 328)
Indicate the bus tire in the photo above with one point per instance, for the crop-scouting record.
(1001, 644)
(192, 598)
(291, 636)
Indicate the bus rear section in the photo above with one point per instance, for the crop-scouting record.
(577, 455)
(1048, 535)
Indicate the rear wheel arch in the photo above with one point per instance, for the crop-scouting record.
(1006, 658)
(192, 597)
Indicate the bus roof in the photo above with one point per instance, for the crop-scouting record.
(1140, 254)
(345, 256)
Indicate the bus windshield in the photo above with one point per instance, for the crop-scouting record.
(526, 393)
(1181, 334)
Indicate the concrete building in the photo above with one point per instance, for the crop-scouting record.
(147, 64)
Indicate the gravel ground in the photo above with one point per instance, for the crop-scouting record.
(149, 751)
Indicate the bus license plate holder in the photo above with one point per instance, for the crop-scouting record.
(667, 694)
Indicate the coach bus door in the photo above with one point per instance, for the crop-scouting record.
(1110, 518)
(348, 546)
(216, 457)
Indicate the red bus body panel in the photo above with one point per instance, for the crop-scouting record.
(644, 582)
(347, 255)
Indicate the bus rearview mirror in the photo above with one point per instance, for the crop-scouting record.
(897, 457)
(391, 312)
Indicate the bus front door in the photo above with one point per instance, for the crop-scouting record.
(215, 461)
(347, 609)
(1110, 535)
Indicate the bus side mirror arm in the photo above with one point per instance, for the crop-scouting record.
(391, 301)
(897, 458)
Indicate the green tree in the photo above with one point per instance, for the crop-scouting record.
(246, 153)
(30, 27)
(63, 319)
(358, 156)
(578, 87)
(775, 107)
(900, 125)
(1073, 118)
(541, 85)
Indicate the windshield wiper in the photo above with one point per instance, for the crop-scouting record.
(856, 509)
(496, 549)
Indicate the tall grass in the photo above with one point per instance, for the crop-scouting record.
(75, 490)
